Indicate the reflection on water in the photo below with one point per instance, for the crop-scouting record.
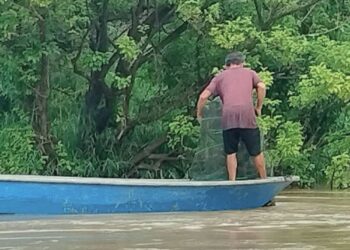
(301, 220)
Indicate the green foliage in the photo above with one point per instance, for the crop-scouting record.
(118, 82)
(266, 77)
(282, 46)
(41, 3)
(8, 24)
(286, 147)
(307, 170)
(334, 54)
(233, 33)
(182, 133)
(65, 166)
(213, 13)
(269, 123)
(18, 154)
(321, 84)
(95, 60)
(338, 172)
(128, 47)
(190, 10)
(289, 140)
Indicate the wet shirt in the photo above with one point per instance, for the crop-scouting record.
(235, 86)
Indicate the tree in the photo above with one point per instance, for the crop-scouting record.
(108, 88)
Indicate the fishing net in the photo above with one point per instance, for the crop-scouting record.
(210, 160)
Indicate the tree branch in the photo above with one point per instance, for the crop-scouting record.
(288, 11)
(308, 13)
(258, 9)
(145, 116)
(105, 68)
(151, 113)
(102, 37)
(80, 73)
(135, 13)
(63, 91)
(171, 37)
(132, 69)
(330, 30)
(144, 153)
(165, 13)
(163, 157)
(77, 56)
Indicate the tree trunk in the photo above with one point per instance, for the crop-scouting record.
(41, 123)
(100, 99)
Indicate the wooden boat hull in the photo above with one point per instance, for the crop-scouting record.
(70, 195)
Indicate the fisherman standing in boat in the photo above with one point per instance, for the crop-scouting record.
(234, 86)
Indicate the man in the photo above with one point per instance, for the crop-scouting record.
(235, 85)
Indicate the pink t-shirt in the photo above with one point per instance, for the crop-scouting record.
(235, 87)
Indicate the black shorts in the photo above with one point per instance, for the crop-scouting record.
(249, 136)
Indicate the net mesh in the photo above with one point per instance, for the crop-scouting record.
(210, 161)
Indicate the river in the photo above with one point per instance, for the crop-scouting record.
(300, 220)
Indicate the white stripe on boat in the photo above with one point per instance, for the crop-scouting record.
(138, 182)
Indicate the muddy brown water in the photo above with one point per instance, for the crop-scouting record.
(300, 220)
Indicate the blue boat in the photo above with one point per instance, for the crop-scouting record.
(45, 195)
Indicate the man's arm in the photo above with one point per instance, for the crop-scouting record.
(203, 98)
(261, 92)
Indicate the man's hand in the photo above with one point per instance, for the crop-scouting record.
(258, 111)
(261, 92)
(201, 103)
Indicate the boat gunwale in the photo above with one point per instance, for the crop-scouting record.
(139, 182)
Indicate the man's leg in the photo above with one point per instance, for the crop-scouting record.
(231, 161)
(259, 162)
(251, 138)
(231, 140)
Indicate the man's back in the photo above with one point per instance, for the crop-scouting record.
(235, 86)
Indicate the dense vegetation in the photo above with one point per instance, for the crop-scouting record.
(109, 87)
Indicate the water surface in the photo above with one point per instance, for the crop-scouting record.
(301, 220)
